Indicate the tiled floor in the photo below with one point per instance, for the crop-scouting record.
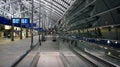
(10, 51)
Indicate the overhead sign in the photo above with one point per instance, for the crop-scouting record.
(33, 24)
(16, 20)
(39, 29)
(5, 21)
(25, 20)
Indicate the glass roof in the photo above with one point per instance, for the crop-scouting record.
(53, 10)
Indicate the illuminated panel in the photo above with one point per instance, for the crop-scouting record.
(16, 20)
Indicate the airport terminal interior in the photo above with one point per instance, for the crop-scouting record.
(59, 33)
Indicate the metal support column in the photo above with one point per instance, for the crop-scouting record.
(12, 32)
(26, 33)
(39, 24)
(12, 28)
(20, 21)
(20, 30)
(42, 38)
(32, 25)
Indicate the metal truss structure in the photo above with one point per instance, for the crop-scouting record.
(51, 10)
